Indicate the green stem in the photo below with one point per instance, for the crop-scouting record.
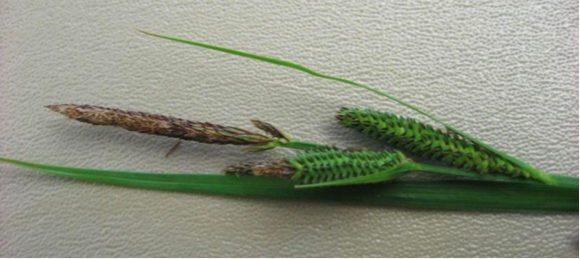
(301, 145)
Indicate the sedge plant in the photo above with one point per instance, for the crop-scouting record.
(490, 179)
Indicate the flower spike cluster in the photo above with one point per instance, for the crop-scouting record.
(422, 139)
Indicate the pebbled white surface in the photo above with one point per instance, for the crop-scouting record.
(504, 71)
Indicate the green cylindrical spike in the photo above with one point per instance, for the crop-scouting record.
(422, 139)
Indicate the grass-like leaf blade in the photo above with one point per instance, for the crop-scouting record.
(465, 195)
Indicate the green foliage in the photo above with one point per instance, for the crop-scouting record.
(460, 195)
(422, 139)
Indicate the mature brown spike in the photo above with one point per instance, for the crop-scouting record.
(161, 125)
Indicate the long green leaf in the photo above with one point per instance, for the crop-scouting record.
(542, 176)
(466, 195)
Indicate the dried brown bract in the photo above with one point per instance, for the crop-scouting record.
(270, 129)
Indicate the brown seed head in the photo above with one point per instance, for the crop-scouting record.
(160, 125)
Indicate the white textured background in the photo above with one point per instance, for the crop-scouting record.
(506, 71)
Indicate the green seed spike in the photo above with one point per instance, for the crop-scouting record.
(342, 167)
(422, 139)
(335, 167)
